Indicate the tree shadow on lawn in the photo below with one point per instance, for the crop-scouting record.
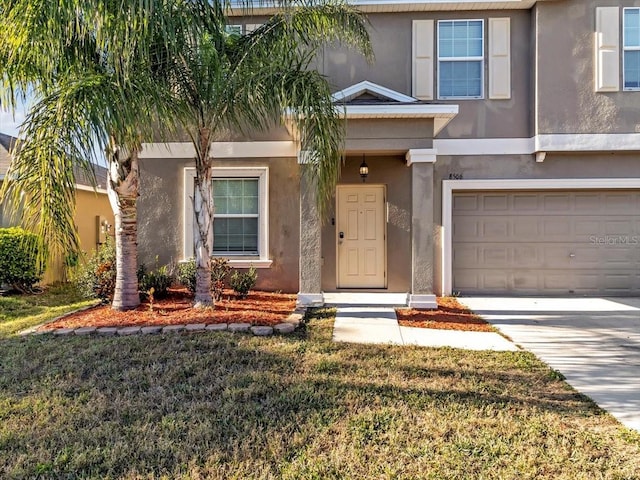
(236, 404)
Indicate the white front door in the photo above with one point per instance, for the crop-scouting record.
(361, 236)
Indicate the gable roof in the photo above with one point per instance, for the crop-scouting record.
(368, 100)
(372, 92)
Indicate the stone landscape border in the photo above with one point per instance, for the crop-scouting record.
(287, 326)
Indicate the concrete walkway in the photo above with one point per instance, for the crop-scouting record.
(371, 318)
(593, 342)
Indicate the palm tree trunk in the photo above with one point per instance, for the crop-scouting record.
(204, 210)
(123, 191)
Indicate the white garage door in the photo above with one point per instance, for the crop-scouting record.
(552, 242)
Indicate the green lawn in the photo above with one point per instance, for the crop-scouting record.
(218, 405)
(19, 312)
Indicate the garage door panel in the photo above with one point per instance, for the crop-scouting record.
(495, 202)
(619, 202)
(495, 228)
(556, 227)
(588, 203)
(526, 202)
(525, 281)
(466, 229)
(556, 202)
(496, 281)
(587, 227)
(552, 242)
(527, 227)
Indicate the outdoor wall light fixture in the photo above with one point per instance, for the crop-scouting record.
(364, 169)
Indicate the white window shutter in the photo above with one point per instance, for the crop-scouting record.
(422, 64)
(500, 58)
(250, 27)
(607, 62)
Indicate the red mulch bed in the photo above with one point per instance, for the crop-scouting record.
(259, 308)
(450, 315)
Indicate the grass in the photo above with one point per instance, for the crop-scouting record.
(19, 312)
(219, 405)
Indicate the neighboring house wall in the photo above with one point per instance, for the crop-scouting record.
(89, 206)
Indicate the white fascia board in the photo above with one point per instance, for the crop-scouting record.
(450, 186)
(284, 148)
(484, 146)
(370, 87)
(400, 111)
(588, 142)
(605, 142)
(368, 6)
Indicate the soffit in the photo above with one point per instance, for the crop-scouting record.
(381, 6)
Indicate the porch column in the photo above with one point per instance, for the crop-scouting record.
(310, 294)
(422, 229)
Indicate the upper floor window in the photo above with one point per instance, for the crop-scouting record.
(631, 42)
(460, 59)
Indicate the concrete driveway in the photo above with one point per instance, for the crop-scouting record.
(593, 342)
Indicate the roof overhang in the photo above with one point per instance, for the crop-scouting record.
(441, 114)
(381, 6)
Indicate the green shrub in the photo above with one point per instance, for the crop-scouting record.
(19, 265)
(243, 282)
(187, 274)
(97, 276)
(219, 270)
(159, 280)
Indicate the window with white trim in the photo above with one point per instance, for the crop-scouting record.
(241, 29)
(631, 48)
(236, 218)
(241, 218)
(460, 59)
(233, 29)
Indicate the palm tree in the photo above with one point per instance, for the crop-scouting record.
(231, 82)
(92, 66)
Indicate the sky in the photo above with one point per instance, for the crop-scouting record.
(10, 123)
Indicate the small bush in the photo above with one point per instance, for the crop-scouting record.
(219, 270)
(159, 280)
(243, 282)
(97, 277)
(187, 274)
(19, 266)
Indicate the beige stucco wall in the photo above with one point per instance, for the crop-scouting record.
(566, 97)
(388, 135)
(392, 172)
(160, 215)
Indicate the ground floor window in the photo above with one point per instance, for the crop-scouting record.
(236, 221)
(240, 225)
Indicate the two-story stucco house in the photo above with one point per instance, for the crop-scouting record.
(502, 143)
